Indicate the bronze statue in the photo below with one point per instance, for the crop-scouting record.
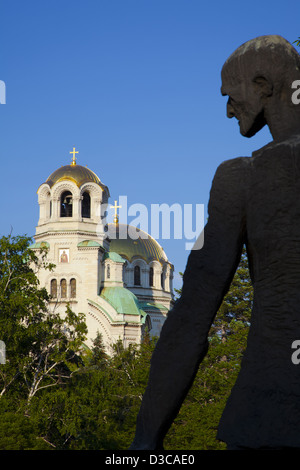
(254, 201)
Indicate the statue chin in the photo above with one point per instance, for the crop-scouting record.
(256, 126)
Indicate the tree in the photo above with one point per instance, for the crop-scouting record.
(98, 356)
(297, 42)
(40, 345)
(57, 395)
(56, 344)
(97, 408)
(178, 291)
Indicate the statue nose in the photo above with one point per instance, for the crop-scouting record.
(230, 109)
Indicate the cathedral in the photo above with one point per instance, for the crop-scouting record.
(122, 283)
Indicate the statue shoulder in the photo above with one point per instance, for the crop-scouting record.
(229, 187)
(234, 169)
(231, 179)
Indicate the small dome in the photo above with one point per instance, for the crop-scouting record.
(123, 300)
(144, 246)
(76, 173)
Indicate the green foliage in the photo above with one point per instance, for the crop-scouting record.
(178, 291)
(41, 347)
(55, 394)
(297, 42)
(17, 432)
(97, 409)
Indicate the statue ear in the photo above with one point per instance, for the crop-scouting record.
(263, 86)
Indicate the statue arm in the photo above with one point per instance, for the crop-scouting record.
(183, 341)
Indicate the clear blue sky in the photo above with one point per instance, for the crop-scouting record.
(134, 85)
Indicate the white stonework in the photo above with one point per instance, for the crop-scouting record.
(122, 286)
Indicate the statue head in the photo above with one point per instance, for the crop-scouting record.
(258, 79)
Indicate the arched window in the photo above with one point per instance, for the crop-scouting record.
(63, 288)
(137, 276)
(151, 277)
(124, 275)
(73, 288)
(48, 207)
(53, 288)
(86, 205)
(66, 204)
(162, 280)
(108, 271)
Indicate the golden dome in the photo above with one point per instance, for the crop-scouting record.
(144, 246)
(76, 173)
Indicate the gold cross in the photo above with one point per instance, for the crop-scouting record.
(116, 218)
(74, 158)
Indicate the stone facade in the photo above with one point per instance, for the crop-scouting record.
(122, 286)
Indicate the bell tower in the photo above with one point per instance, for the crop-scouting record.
(72, 216)
(74, 199)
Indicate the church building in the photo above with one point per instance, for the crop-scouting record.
(122, 284)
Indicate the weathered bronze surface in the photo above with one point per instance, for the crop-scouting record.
(254, 201)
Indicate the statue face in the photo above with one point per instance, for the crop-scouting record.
(244, 101)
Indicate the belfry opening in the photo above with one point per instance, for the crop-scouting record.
(86, 205)
(66, 204)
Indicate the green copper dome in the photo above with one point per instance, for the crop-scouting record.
(123, 300)
(144, 246)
